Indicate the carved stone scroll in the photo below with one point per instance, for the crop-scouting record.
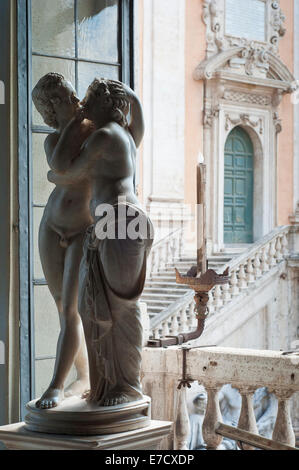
(219, 40)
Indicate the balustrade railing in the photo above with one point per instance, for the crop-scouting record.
(245, 270)
(165, 251)
(245, 369)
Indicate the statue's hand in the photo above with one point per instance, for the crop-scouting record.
(58, 179)
(80, 115)
(51, 176)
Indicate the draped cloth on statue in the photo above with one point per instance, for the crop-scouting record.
(112, 276)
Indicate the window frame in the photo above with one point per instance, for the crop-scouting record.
(5, 209)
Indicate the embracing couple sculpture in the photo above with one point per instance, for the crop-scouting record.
(95, 282)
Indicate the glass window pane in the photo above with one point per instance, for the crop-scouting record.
(53, 28)
(43, 65)
(98, 30)
(41, 186)
(37, 267)
(46, 321)
(88, 72)
(43, 374)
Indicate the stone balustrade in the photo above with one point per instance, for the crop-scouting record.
(177, 318)
(165, 251)
(245, 270)
(245, 369)
(250, 266)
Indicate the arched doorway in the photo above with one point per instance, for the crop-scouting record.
(238, 187)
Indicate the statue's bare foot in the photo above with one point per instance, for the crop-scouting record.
(116, 398)
(77, 388)
(85, 395)
(51, 398)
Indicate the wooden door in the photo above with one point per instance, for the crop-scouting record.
(238, 188)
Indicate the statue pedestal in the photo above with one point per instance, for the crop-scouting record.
(77, 424)
(77, 417)
(18, 437)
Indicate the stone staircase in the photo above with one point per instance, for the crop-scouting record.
(161, 289)
(170, 306)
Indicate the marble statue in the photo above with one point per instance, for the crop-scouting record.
(265, 410)
(65, 220)
(196, 416)
(113, 268)
(230, 405)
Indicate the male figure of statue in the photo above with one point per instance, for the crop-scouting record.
(112, 271)
(61, 235)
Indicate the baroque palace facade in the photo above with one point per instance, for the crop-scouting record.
(219, 85)
(218, 81)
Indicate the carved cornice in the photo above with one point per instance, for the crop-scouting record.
(248, 98)
(207, 68)
(280, 71)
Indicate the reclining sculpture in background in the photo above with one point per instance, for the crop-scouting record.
(265, 410)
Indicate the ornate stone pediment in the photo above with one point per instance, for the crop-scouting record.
(250, 62)
(263, 21)
(242, 43)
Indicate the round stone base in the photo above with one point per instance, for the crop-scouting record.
(76, 416)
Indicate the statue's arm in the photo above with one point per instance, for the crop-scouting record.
(98, 146)
(61, 155)
(58, 179)
(136, 125)
(52, 176)
(49, 146)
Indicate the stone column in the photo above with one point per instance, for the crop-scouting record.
(164, 106)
